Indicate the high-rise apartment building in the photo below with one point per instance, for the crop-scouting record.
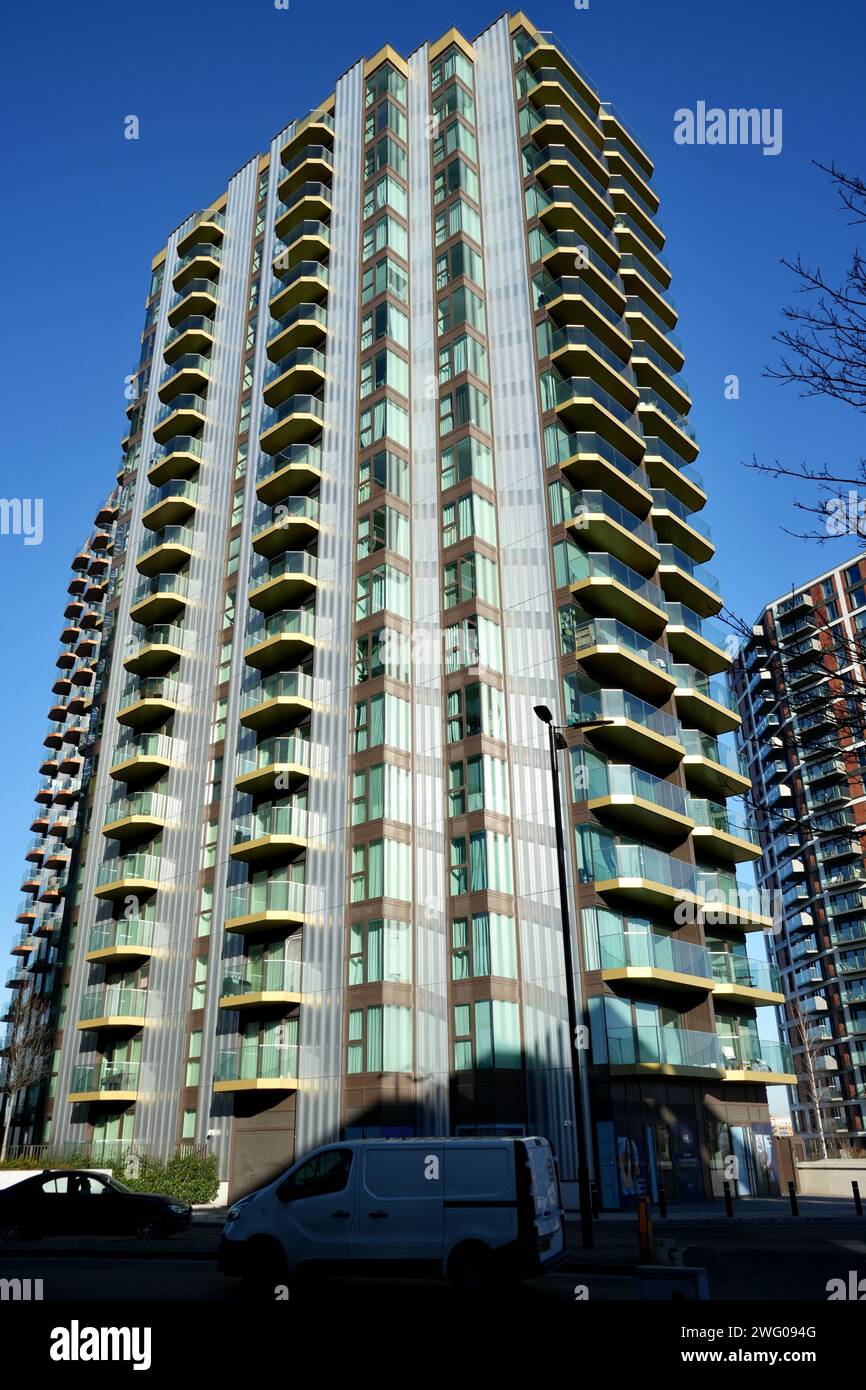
(410, 457)
(800, 683)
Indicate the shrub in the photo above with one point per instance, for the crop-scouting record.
(190, 1177)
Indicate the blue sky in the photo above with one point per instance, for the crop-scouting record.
(211, 82)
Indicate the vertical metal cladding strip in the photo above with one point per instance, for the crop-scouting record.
(529, 612)
(242, 195)
(162, 1048)
(431, 954)
(80, 1047)
(321, 1021)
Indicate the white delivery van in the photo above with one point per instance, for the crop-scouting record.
(471, 1209)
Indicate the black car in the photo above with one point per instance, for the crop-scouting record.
(68, 1202)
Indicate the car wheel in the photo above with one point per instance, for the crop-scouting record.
(472, 1269)
(151, 1227)
(264, 1268)
(12, 1229)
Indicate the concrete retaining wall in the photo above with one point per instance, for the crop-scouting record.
(831, 1177)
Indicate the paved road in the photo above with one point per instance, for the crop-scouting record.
(792, 1262)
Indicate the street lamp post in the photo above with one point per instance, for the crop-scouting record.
(556, 742)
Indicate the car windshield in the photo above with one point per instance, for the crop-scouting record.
(117, 1185)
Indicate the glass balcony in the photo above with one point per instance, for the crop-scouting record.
(659, 417)
(261, 982)
(312, 162)
(728, 901)
(158, 597)
(278, 582)
(274, 901)
(277, 700)
(130, 817)
(284, 761)
(757, 1060)
(297, 420)
(270, 831)
(143, 701)
(275, 528)
(170, 504)
(561, 208)
(740, 977)
(201, 261)
(554, 123)
(555, 164)
(309, 239)
(659, 1048)
(643, 875)
(626, 796)
(184, 413)
(318, 123)
(588, 459)
(695, 641)
(193, 334)
(310, 199)
(188, 373)
(647, 326)
(605, 585)
(113, 1006)
(306, 281)
(570, 300)
(168, 549)
(207, 225)
(581, 401)
(626, 725)
(712, 766)
(197, 298)
(618, 656)
(273, 1066)
(600, 522)
(131, 873)
(294, 470)
(547, 83)
(687, 582)
(633, 951)
(105, 1080)
(279, 637)
(300, 370)
(180, 457)
(160, 647)
(716, 834)
(124, 937)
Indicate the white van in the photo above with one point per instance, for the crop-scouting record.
(470, 1209)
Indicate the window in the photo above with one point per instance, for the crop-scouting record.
(463, 354)
(459, 259)
(383, 471)
(469, 458)
(386, 192)
(486, 1034)
(483, 945)
(475, 709)
(383, 529)
(380, 950)
(455, 136)
(463, 306)
(327, 1172)
(382, 652)
(452, 63)
(466, 405)
(455, 177)
(381, 588)
(380, 1039)
(381, 869)
(472, 576)
(469, 515)
(385, 117)
(381, 720)
(459, 216)
(385, 80)
(385, 419)
(454, 100)
(476, 641)
(382, 791)
(387, 232)
(385, 368)
(480, 862)
(384, 154)
(188, 1125)
(193, 1064)
(385, 321)
(477, 784)
(384, 275)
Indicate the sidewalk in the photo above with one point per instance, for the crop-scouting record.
(753, 1209)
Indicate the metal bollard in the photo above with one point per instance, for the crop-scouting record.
(858, 1200)
(729, 1201)
(663, 1203)
(792, 1193)
(596, 1202)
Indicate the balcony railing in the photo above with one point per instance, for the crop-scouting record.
(287, 819)
(675, 1047)
(132, 932)
(281, 685)
(730, 969)
(638, 946)
(131, 866)
(270, 1062)
(273, 894)
(104, 1076)
(714, 816)
(276, 975)
(272, 752)
(113, 1001)
(621, 704)
(287, 623)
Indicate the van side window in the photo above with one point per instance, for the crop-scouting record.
(327, 1172)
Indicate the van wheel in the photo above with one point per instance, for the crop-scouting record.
(472, 1268)
(264, 1268)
